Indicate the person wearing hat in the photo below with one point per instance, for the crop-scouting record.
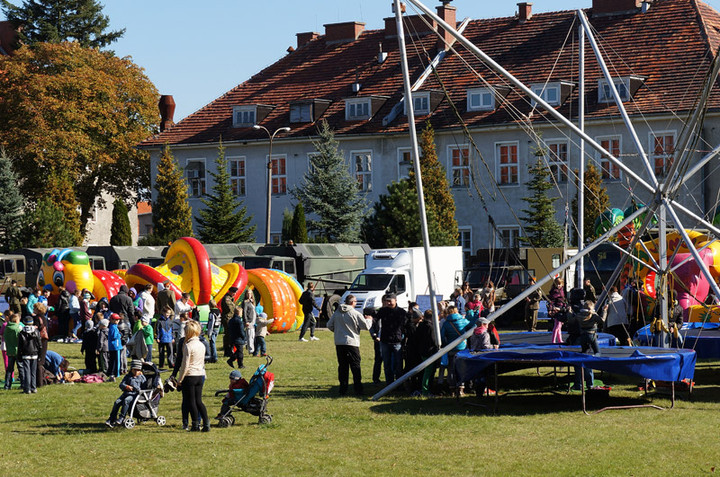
(227, 310)
(235, 391)
(480, 339)
(28, 351)
(130, 386)
(103, 348)
(115, 346)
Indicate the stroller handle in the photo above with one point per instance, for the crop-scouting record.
(268, 361)
(221, 391)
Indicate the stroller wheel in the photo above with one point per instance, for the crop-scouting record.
(129, 423)
(160, 420)
(224, 422)
(265, 419)
(231, 418)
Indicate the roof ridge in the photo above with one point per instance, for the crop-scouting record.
(705, 27)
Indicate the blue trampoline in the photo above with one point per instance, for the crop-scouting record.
(544, 338)
(704, 338)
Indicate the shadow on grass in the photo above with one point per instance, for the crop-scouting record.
(66, 428)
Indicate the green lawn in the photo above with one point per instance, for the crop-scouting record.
(60, 430)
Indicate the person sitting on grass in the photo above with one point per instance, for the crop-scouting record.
(237, 384)
(56, 365)
(130, 386)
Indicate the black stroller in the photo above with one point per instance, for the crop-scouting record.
(146, 404)
(252, 399)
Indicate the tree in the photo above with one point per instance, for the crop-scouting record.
(11, 205)
(120, 232)
(45, 226)
(596, 201)
(172, 215)
(286, 232)
(224, 218)
(542, 229)
(71, 120)
(298, 227)
(56, 21)
(331, 193)
(395, 219)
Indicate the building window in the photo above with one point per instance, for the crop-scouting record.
(195, 174)
(508, 237)
(405, 162)
(421, 103)
(465, 241)
(237, 175)
(605, 94)
(662, 146)
(550, 93)
(480, 99)
(244, 116)
(506, 156)
(557, 158)
(460, 165)
(608, 169)
(362, 165)
(301, 113)
(357, 109)
(279, 175)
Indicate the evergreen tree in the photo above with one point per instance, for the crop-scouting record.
(46, 227)
(172, 215)
(56, 21)
(394, 222)
(597, 201)
(224, 218)
(541, 227)
(286, 233)
(298, 227)
(120, 232)
(11, 204)
(331, 193)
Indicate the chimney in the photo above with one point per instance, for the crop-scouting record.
(343, 32)
(615, 6)
(167, 111)
(307, 37)
(449, 15)
(524, 11)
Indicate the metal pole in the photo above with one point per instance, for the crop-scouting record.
(269, 191)
(662, 255)
(541, 102)
(696, 168)
(580, 269)
(410, 108)
(518, 299)
(693, 215)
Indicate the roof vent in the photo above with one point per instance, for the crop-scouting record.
(524, 11)
(343, 32)
(382, 55)
(307, 37)
(167, 111)
(615, 6)
(356, 87)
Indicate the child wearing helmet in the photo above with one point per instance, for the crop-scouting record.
(237, 385)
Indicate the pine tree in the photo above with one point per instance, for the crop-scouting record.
(331, 193)
(46, 227)
(120, 232)
(541, 227)
(394, 222)
(11, 205)
(597, 201)
(298, 227)
(286, 233)
(224, 218)
(56, 21)
(172, 215)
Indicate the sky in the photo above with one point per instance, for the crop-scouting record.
(197, 51)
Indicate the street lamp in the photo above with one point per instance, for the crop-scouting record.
(269, 176)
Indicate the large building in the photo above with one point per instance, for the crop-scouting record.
(487, 132)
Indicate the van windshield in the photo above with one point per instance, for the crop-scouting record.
(365, 282)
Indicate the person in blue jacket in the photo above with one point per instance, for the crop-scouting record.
(115, 346)
(455, 325)
(56, 364)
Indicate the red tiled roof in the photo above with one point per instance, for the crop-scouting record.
(671, 46)
(144, 208)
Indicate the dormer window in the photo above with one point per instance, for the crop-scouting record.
(250, 115)
(554, 93)
(307, 111)
(358, 109)
(421, 103)
(626, 87)
(480, 99)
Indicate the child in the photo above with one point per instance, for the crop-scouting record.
(236, 331)
(28, 350)
(89, 346)
(261, 323)
(235, 388)
(213, 328)
(164, 336)
(102, 350)
(3, 323)
(149, 336)
(10, 338)
(130, 386)
(115, 346)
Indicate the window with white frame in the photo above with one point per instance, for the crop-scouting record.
(605, 92)
(362, 166)
(506, 158)
(460, 165)
(480, 99)
(357, 109)
(279, 175)
(557, 159)
(465, 242)
(404, 162)
(550, 93)
(236, 167)
(301, 113)
(608, 169)
(509, 237)
(421, 103)
(244, 116)
(195, 175)
(662, 147)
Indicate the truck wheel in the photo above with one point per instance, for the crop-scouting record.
(331, 304)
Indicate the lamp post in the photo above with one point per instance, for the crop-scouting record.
(269, 176)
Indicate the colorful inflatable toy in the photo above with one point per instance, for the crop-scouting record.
(71, 269)
(276, 297)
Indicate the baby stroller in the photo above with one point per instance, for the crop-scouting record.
(146, 404)
(253, 399)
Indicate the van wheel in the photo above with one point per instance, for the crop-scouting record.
(331, 304)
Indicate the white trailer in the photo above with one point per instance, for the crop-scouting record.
(402, 271)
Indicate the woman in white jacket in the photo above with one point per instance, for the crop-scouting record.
(617, 322)
(191, 377)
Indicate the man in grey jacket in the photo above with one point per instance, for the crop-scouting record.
(347, 323)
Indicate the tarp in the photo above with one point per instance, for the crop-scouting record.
(544, 338)
(661, 364)
(704, 338)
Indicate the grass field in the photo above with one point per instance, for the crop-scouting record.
(60, 430)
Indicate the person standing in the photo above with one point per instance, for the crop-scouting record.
(227, 310)
(346, 324)
(10, 338)
(183, 305)
(455, 325)
(307, 300)
(41, 325)
(237, 337)
(532, 305)
(13, 296)
(419, 346)
(63, 313)
(148, 303)
(250, 320)
(212, 330)
(375, 334)
(557, 308)
(392, 321)
(165, 296)
(32, 299)
(123, 305)
(28, 351)
(191, 377)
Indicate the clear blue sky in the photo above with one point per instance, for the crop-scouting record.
(196, 51)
